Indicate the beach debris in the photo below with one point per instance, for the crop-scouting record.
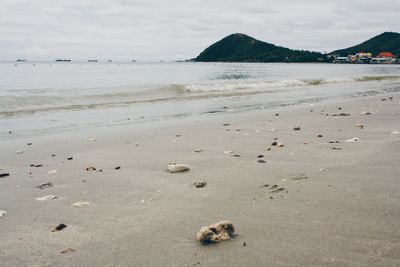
(215, 233)
(277, 114)
(70, 158)
(333, 142)
(228, 151)
(337, 148)
(274, 143)
(2, 213)
(4, 174)
(200, 184)
(355, 139)
(91, 168)
(366, 113)
(361, 126)
(320, 135)
(296, 128)
(299, 177)
(19, 151)
(394, 132)
(237, 156)
(277, 189)
(391, 98)
(52, 172)
(261, 161)
(92, 139)
(45, 198)
(226, 124)
(67, 250)
(279, 144)
(80, 204)
(45, 185)
(272, 130)
(340, 114)
(59, 227)
(29, 144)
(173, 167)
(117, 168)
(260, 156)
(322, 170)
(198, 150)
(268, 148)
(36, 165)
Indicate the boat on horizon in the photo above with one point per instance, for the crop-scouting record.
(63, 60)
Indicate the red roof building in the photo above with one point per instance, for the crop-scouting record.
(385, 55)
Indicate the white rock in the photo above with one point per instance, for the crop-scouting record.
(52, 172)
(2, 213)
(80, 204)
(45, 198)
(178, 167)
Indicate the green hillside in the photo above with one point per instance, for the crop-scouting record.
(387, 41)
(242, 48)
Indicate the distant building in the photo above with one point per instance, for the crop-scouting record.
(386, 55)
(364, 55)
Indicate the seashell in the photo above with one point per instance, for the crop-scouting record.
(2, 213)
(178, 167)
(80, 204)
(355, 139)
(45, 198)
(52, 172)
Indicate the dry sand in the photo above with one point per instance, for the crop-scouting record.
(345, 213)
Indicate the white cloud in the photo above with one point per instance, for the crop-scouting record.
(152, 30)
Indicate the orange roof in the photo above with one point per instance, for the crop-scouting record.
(385, 54)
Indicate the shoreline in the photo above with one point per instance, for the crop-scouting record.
(344, 213)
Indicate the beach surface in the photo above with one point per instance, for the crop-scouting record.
(311, 203)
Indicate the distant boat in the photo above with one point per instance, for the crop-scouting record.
(92, 60)
(63, 60)
(21, 60)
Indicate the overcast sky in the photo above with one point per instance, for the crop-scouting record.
(179, 29)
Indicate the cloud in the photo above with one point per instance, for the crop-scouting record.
(153, 30)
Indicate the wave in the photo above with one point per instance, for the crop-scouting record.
(232, 86)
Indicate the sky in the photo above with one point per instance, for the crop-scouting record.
(151, 30)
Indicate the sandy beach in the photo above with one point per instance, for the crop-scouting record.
(337, 203)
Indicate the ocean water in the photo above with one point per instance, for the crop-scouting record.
(38, 97)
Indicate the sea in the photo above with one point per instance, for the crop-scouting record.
(45, 97)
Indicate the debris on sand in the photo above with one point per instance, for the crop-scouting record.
(228, 151)
(278, 189)
(91, 168)
(173, 167)
(92, 139)
(279, 144)
(45, 198)
(215, 233)
(80, 204)
(394, 132)
(274, 143)
(4, 174)
(2, 213)
(355, 139)
(70, 158)
(59, 227)
(67, 250)
(198, 150)
(320, 135)
(337, 148)
(361, 126)
(226, 124)
(19, 152)
(237, 156)
(366, 113)
(117, 168)
(333, 142)
(299, 177)
(296, 128)
(52, 172)
(45, 185)
(200, 184)
(261, 161)
(340, 114)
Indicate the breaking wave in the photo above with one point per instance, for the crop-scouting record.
(232, 86)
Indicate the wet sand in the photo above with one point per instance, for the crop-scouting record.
(338, 207)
